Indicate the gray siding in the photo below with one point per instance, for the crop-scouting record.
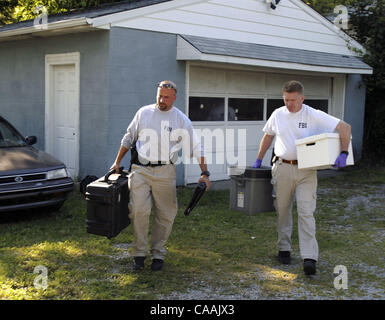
(22, 90)
(119, 70)
(138, 61)
(22, 87)
(355, 110)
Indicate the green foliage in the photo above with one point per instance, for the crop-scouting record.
(368, 21)
(12, 11)
(325, 7)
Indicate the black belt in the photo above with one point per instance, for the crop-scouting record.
(154, 164)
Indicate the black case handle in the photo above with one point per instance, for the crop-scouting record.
(112, 171)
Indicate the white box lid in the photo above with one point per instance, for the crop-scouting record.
(318, 137)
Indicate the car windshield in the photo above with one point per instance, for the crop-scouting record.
(9, 137)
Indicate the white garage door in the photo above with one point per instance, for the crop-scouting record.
(229, 108)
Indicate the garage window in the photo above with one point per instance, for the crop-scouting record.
(242, 109)
(273, 104)
(206, 109)
(320, 104)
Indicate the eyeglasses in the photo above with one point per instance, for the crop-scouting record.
(166, 86)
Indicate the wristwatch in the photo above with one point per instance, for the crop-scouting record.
(345, 152)
(205, 173)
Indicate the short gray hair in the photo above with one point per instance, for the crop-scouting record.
(293, 86)
(168, 85)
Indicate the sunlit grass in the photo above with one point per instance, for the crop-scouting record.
(213, 252)
(276, 274)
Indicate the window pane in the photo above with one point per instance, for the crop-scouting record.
(318, 104)
(273, 104)
(241, 109)
(9, 137)
(206, 109)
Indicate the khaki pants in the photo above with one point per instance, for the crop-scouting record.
(149, 185)
(289, 182)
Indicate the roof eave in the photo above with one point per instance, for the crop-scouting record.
(188, 52)
(278, 64)
(43, 29)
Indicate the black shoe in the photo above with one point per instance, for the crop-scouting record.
(157, 264)
(309, 266)
(284, 257)
(139, 263)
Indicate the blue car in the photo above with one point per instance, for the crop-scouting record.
(29, 178)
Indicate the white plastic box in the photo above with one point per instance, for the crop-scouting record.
(321, 151)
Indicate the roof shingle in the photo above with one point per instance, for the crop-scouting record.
(273, 53)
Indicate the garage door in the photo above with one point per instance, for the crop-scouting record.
(229, 108)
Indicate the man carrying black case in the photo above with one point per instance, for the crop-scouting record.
(157, 131)
(107, 204)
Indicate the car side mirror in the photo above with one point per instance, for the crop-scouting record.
(31, 140)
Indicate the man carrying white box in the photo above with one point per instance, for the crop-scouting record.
(295, 121)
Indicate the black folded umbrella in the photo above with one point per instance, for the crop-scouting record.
(198, 193)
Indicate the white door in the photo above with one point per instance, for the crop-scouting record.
(65, 113)
(62, 111)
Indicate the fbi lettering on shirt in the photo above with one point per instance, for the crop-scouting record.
(302, 125)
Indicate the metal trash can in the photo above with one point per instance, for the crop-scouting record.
(251, 190)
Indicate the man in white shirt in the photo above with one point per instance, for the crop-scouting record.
(294, 121)
(157, 131)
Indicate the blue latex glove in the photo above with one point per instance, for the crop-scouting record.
(340, 161)
(257, 163)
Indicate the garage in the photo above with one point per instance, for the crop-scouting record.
(229, 107)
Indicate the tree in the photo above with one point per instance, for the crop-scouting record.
(367, 26)
(368, 21)
(12, 11)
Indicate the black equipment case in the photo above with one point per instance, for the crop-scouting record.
(107, 204)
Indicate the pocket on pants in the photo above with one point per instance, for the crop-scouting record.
(306, 205)
(273, 181)
(274, 174)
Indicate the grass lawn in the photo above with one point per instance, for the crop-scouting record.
(214, 253)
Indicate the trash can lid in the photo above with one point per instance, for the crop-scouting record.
(263, 172)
